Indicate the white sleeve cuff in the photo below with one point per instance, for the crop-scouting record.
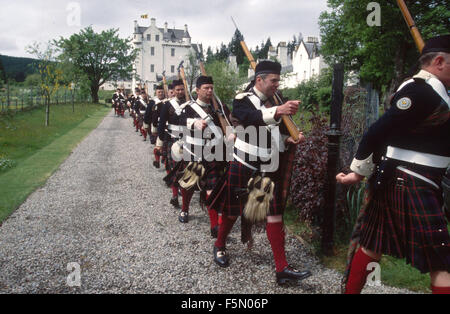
(363, 167)
(269, 115)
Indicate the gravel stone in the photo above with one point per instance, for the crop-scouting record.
(107, 209)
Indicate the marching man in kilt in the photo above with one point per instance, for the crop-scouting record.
(405, 154)
(141, 107)
(255, 167)
(151, 119)
(137, 92)
(201, 142)
(170, 131)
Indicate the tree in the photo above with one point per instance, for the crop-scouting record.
(384, 54)
(235, 47)
(49, 73)
(2, 72)
(101, 57)
(226, 82)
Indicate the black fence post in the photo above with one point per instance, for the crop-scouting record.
(329, 217)
(7, 95)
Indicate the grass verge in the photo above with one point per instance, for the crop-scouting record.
(37, 151)
(394, 272)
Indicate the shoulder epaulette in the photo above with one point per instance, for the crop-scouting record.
(242, 95)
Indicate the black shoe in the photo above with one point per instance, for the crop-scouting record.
(183, 217)
(215, 232)
(156, 164)
(290, 274)
(220, 257)
(174, 202)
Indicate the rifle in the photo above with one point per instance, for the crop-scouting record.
(166, 90)
(183, 77)
(287, 120)
(412, 26)
(220, 111)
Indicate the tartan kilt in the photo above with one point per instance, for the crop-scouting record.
(405, 219)
(170, 163)
(213, 172)
(232, 203)
(140, 120)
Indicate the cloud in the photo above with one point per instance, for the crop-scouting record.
(209, 21)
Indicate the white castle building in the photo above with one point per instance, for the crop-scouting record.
(306, 63)
(160, 50)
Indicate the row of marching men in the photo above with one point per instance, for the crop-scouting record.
(192, 144)
(404, 155)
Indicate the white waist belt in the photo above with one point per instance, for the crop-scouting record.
(174, 127)
(419, 158)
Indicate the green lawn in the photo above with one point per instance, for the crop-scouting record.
(36, 151)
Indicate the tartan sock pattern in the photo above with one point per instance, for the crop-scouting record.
(275, 234)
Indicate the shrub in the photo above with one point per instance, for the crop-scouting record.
(309, 172)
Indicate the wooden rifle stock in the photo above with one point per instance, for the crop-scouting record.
(412, 26)
(223, 122)
(166, 90)
(183, 77)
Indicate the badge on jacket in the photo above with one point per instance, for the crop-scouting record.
(404, 103)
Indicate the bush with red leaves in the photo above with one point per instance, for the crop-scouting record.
(309, 172)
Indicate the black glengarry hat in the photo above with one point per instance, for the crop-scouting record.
(437, 44)
(268, 67)
(204, 80)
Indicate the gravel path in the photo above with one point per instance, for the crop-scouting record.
(107, 210)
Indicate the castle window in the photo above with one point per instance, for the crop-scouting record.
(148, 37)
(172, 69)
(172, 52)
(157, 37)
(152, 51)
(152, 68)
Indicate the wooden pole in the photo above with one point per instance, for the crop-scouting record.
(412, 25)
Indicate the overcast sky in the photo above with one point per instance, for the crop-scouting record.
(24, 21)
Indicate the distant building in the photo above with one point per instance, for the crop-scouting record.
(161, 49)
(306, 63)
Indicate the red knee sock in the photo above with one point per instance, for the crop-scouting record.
(213, 218)
(220, 219)
(440, 290)
(174, 191)
(358, 272)
(187, 196)
(275, 234)
(224, 231)
(156, 153)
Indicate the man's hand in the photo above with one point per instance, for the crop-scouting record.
(289, 108)
(200, 125)
(349, 179)
(301, 139)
